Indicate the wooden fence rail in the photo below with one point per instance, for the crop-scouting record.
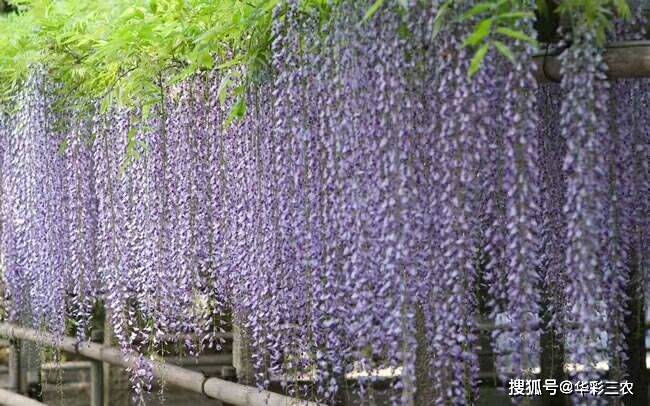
(10, 398)
(215, 388)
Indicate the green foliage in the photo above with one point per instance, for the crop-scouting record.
(499, 23)
(117, 51)
(373, 9)
(594, 15)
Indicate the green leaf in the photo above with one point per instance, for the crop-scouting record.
(237, 111)
(505, 51)
(222, 92)
(476, 10)
(516, 34)
(63, 147)
(440, 19)
(478, 58)
(515, 15)
(373, 10)
(404, 4)
(622, 9)
(481, 31)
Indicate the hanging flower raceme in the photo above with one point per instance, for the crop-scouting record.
(32, 211)
(5, 132)
(81, 208)
(621, 148)
(522, 199)
(552, 183)
(583, 115)
(458, 144)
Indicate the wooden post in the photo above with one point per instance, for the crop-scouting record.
(115, 387)
(14, 365)
(96, 383)
(424, 385)
(241, 356)
(636, 324)
(552, 363)
(97, 373)
(30, 370)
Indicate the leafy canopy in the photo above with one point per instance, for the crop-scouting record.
(117, 51)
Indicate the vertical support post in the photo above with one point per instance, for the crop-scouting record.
(636, 324)
(552, 360)
(106, 371)
(241, 356)
(424, 394)
(116, 390)
(96, 383)
(97, 373)
(29, 375)
(14, 365)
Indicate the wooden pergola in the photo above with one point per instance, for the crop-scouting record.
(629, 59)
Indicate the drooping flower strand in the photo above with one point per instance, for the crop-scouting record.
(119, 235)
(399, 203)
(640, 214)
(33, 213)
(620, 152)
(210, 284)
(494, 230)
(618, 147)
(257, 291)
(186, 213)
(451, 346)
(83, 279)
(641, 180)
(521, 183)
(552, 183)
(107, 152)
(288, 313)
(583, 115)
(334, 88)
(5, 131)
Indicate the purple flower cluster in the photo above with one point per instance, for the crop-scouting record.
(34, 227)
(602, 140)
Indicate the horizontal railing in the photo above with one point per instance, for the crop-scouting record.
(10, 398)
(215, 388)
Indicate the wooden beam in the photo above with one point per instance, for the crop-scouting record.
(630, 59)
(215, 388)
(10, 398)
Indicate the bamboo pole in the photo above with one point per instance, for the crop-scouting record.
(10, 398)
(628, 59)
(229, 392)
